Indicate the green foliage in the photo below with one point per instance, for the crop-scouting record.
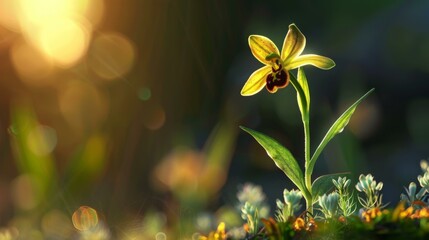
(281, 157)
(290, 205)
(335, 129)
(371, 189)
(329, 205)
(346, 202)
(285, 160)
(323, 184)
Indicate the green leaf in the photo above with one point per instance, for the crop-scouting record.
(281, 156)
(301, 95)
(336, 128)
(323, 184)
(302, 80)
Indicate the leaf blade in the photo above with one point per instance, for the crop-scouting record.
(281, 157)
(336, 128)
(302, 80)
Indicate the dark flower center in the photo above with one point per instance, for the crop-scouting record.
(278, 78)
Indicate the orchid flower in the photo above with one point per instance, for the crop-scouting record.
(275, 73)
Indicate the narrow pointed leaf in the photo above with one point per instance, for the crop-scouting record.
(301, 95)
(281, 156)
(302, 80)
(323, 184)
(336, 128)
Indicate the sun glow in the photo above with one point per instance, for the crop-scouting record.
(60, 30)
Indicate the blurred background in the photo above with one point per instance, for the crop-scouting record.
(133, 107)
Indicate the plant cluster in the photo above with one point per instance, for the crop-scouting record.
(333, 209)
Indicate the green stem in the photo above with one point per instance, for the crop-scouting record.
(307, 155)
(309, 204)
(307, 152)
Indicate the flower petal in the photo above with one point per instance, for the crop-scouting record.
(293, 44)
(311, 59)
(256, 81)
(261, 47)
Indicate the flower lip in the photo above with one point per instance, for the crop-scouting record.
(277, 79)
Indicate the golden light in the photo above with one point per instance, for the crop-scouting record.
(94, 11)
(85, 218)
(111, 56)
(82, 105)
(24, 192)
(180, 170)
(59, 29)
(65, 41)
(9, 15)
(30, 64)
(57, 225)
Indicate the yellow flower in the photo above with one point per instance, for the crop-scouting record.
(299, 224)
(275, 73)
(218, 235)
(371, 214)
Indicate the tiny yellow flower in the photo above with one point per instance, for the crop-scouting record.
(421, 213)
(275, 73)
(371, 214)
(219, 234)
(298, 224)
(406, 213)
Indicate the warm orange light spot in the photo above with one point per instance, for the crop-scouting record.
(180, 170)
(30, 64)
(9, 14)
(154, 117)
(85, 218)
(59, 29)
(111, 56)
(39, 12)
(94, 11)
(82, 105)
(24, 192)
(65, 41)
(56, 223)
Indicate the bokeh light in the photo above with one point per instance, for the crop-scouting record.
(144, 94)
(111, 55)
(57, 225)
(25, 189)
(42, 140)
(154, 117)
(82, 104)
(8, 14)
(59, 29)
(8, 233)
(33, 67)
(85, 218)
(180, 170)
(161, 236)
(64, 41)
